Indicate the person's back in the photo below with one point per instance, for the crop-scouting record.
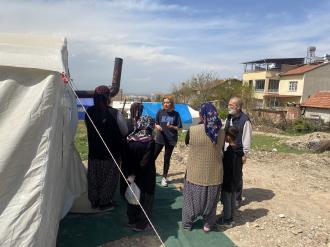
(232, 163)
(139, 167)
(106, 124)
(204, 165)
(102, 171)
(232, 166)
(142, 163)
(204, 169)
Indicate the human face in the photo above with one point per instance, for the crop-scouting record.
(233, 107)
(166, 103)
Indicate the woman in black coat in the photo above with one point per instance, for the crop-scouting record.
(139, 166)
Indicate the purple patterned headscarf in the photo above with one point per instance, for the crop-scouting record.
(212, 122)
(142, 130)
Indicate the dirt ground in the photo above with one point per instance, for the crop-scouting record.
(287, 200)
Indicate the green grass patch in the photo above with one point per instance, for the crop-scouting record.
(268, 143)
(182, 136)
(81, 140)
(259, 142)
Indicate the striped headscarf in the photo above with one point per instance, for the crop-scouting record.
(212, 122)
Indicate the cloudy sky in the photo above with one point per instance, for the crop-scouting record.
(164, 42)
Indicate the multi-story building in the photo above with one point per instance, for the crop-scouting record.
(280, 81)
(264, 76)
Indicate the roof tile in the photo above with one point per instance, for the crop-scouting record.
(303, 69)
(319, 100)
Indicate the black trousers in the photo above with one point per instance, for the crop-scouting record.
(135, 213)
(239, 190)
(167, 156)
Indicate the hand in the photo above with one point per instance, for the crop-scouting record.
(172, 127)
(244, 158)
(131, 178)
(158, 127)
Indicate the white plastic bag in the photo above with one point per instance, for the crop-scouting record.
(129, 195)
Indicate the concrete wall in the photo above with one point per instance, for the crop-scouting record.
(324, 114)
(273, 115)
(293, 113)
(316, 80)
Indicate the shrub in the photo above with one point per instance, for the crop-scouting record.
(223, 113)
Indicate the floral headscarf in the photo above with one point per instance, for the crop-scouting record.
(142, 130)
(212, 122)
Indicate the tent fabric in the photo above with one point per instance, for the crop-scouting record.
(31, 51)
(40, 170)
(188, 115)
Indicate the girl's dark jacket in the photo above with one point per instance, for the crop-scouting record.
(232, 165)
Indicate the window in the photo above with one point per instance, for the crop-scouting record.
(273, 85)
(260, 85)
(293, 86)
(250, 83)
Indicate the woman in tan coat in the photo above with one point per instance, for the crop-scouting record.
(204, 171)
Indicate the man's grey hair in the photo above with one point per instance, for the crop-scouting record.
(239, 101)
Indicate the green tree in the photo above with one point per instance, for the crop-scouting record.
(234, 87)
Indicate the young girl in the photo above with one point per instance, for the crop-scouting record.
(232, 165)
(168, 122)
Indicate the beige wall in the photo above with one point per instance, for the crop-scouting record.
(260, 75)
(285, 82)
(316, 80)
(324, 114)
(254, 75)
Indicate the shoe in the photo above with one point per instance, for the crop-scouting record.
(164, 182)
(187, 228)
(107, 207)
(225, 223)
(141, 229)
(206, 229)
(130, 225)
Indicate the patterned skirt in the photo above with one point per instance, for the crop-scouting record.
(102, 178)
(198, 201)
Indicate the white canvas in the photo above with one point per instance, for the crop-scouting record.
(40, 170)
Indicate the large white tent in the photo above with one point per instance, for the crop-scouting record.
(40, 170)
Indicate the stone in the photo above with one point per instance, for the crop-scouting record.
(297, 231)
(281, 215)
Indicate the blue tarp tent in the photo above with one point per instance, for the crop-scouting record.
(86, 102)
(151, 109)
(188, 115)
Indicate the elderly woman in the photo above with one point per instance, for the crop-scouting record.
(102, 172)
(204, 172)
(139, 166)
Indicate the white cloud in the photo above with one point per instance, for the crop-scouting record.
(160, 42)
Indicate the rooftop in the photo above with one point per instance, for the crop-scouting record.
(299, 60)
(319, 100)
(303, 69)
